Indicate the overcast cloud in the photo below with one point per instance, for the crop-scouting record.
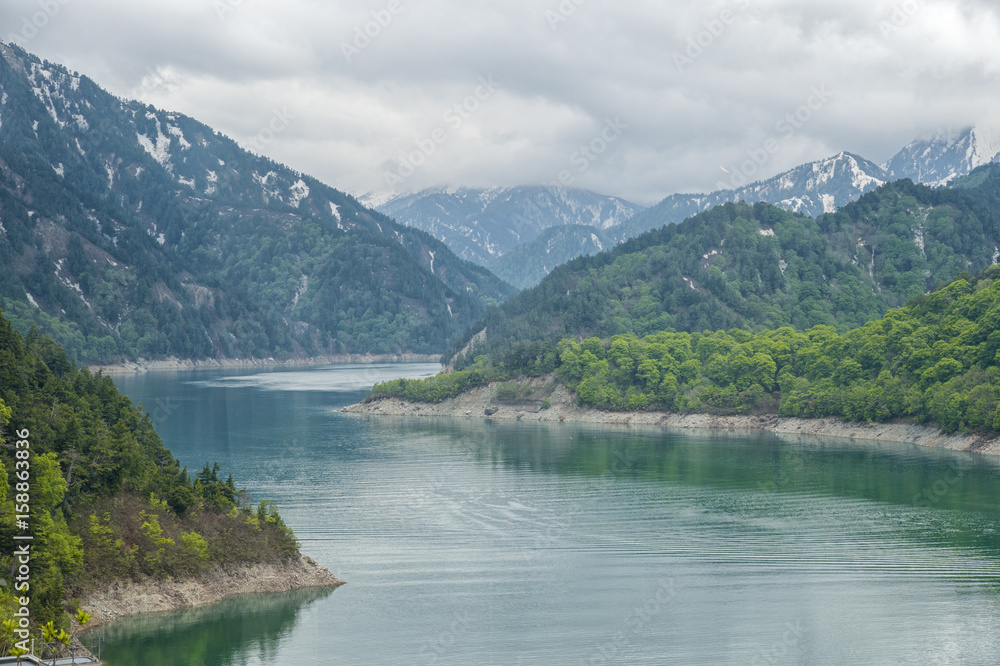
(665, 93)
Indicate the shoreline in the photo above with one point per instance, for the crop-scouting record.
(143, 366)
(477, 402)
(122, 599)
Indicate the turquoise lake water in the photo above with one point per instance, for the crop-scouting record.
(478, 542)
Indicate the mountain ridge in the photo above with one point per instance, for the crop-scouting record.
(813, 188)
(481, 224)
(136, 232)
(743, 266)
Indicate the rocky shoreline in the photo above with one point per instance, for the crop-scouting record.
(480, 403)
(142, 366)
(123, 598)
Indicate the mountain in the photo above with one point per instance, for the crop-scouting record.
(911, 364)
(941, 159)
(811, 189)
(527, 264)
(128, 231)
(743, 266)
(826, 185)
(482, 224)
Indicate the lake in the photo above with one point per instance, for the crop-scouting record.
(479, 542)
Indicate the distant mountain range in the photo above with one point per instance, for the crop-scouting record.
(482, 224)
(127, 231)
(759, 266)
(812, 189)
(527, 264)
(939, 160)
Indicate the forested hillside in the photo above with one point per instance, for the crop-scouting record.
(127, 231)
(756, 267)
(935, 361)
(104, 499)
(525, 265)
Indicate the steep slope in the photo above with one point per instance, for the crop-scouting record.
(481, 225)
(132, 232)
(759, 266)
(527, 264)
(811, 189)
(941, 159)
(108, 502)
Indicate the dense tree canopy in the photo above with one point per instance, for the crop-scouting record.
(936, 360)
(107, 500)
(759, 267)
(198, 248)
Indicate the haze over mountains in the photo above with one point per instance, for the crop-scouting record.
(482, 224)
(130, 232)
(127, 232)
(812, 189)
(757, 266)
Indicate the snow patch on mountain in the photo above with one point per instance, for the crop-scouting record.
(159, 149)
(829, 203)
(377, 199)
(299, 191)
(941, 158)
(176, 131)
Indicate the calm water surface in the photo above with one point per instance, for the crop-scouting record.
(476, 542)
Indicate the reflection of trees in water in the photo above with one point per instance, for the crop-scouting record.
(966, 487)
(229, 632)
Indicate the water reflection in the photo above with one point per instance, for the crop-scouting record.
(231, 633)
(946, 497)
(468, 541)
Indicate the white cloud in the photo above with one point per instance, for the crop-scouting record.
(935, 67)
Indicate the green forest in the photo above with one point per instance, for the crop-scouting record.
(934, 361)
(759, 267)
(207, 251)
(105, 500)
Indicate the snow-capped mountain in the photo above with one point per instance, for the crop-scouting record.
(128, 231)
(940, 159)
(482, 224)
(527, 264)
(811, 189)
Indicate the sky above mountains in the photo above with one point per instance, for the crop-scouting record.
(639, 99)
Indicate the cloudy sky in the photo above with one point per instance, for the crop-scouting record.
(638, 99)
